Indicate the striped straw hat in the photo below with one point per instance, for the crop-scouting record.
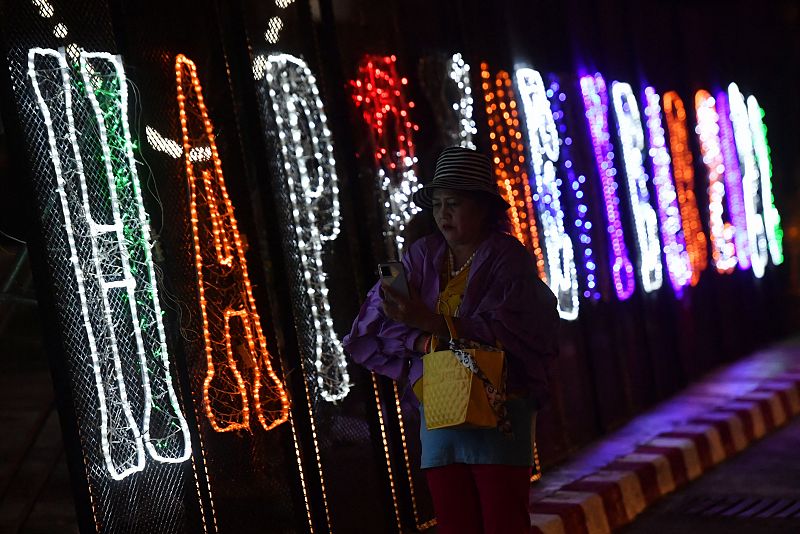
(462, 169)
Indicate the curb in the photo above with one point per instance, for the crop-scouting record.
(615, 494)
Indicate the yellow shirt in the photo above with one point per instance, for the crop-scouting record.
(450, 297)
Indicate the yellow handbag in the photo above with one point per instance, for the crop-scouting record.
(463, 386)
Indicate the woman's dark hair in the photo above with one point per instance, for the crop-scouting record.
(496, 212)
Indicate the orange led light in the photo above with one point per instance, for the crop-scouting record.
(387, 452)
(675, 113)
(224, 289)
(510, 165)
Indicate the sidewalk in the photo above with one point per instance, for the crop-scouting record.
(607, 484)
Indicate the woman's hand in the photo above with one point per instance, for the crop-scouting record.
(410, 310)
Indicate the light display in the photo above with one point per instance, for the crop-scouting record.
(458, 72)
(46, 11)
(386, 451)
(751, 181)
(595, 102)
(510, 165)
(108, 234)
(378, 93)
(544, 152)
(45, 8)
(274, 27)
(231, 326)
(577, 190)
(679, 266)
(683, 171)
(446, 82)
(733, 180)
(312, 185)
(723, 249)
(275, 24)
(171, 148)
(631, 135)
(772, 219)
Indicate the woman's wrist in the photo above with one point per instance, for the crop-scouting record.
(423, 343)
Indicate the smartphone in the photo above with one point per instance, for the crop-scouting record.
(394, 276)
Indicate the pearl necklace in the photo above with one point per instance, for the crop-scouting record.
(451, 262)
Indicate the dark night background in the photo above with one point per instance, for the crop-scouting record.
(618, 359)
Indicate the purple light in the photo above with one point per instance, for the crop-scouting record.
(595, 102)
(579, 211)
(733, 181)
(679, 265)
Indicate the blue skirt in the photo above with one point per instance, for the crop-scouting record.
(445, 446)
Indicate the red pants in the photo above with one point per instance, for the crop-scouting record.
(480, 499)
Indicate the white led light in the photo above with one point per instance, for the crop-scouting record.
(751, 181)
(722, 232)
(171, 148)
(629, 126)
(60, 30)
(544, 149)
(259, 67)
(458, 72)
(160, 398)
(274, 27)
(45, 8)
(112, 264)
(772, 219)
(679, 265)
(309, 170)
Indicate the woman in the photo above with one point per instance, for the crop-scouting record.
(473, 270)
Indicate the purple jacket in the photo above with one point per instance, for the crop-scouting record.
(505, 302)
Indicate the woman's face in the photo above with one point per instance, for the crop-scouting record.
(460, 217)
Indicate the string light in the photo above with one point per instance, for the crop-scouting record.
(171, 148)
(45, 8)
(733, 181)
(595, 103)
(274, 27)
(108, 94)
(112, 264)
(378, 92)
(224, 288)
(544, 151)
(679, 266)
(312, 185)
(446, 82)
(387, 451)
(751, 182)
(631, 135)
(60, 30)
(458, 72)
(508, 153)
(772, 219)
(683, 171)
(577, 188)
(110, 383)
(721, 232)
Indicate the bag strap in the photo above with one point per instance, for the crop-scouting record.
(451, 327)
